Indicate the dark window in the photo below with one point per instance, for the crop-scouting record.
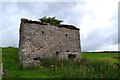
(71, 56)
(38, 58)
(66, 35)
(57, 53)
(67, 51)
(42, 31)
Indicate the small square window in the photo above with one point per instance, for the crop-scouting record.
(57, 53)
(42, 31)
(66, 35)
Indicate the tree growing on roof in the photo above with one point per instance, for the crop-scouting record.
(51, 20)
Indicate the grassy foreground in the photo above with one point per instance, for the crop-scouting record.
(92, 65)
(0, 61)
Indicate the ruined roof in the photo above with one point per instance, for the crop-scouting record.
(68, 26)
(60, 26)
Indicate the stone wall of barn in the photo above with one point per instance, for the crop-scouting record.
(39, 40)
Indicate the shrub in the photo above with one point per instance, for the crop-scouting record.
(50, 20)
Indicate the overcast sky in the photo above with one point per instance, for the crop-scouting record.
(97, 20)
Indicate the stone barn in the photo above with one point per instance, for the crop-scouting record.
(38, 40)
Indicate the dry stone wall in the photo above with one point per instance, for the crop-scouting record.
(38, 40)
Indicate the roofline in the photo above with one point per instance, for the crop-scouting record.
(38, 22)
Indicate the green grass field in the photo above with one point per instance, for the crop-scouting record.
(94, 65)
(0, 59)
(109, 57)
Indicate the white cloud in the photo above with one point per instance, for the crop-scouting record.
(109, 47)
(97, 20)
(99, 24)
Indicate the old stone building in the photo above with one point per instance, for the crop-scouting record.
(38, 40)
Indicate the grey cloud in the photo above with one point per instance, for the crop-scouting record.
(119, 22)
(93, 41)
(63, 11)
(10, 37)
(96, 39)
(32, 8)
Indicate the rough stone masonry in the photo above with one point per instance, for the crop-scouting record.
(38, 40)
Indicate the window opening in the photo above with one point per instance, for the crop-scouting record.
(42, 31)
(66, 35)
(38, 58)
(67, 51)
(57, 53)
(72, 56)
